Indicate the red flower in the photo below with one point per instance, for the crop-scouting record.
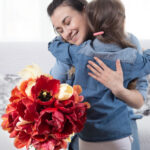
(67, 130)
(50, 121)
(50, 144)
(24, 86)
(9, 121)
(44, 89)
(66, 106)
(36, 117)
(22, 139)
(27, 109)
(78, 117)
(16, 95)
(23, 133)
(74, 111)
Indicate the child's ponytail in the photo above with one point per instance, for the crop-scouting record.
(108, 16)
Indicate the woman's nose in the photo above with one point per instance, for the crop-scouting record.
(67, 34)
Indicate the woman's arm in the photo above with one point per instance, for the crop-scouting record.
(114, 81)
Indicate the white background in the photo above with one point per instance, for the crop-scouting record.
(25, 30)
(27, 20)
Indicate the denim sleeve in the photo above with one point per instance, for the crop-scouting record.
(60, 71)
(62, 50)
(142, 83)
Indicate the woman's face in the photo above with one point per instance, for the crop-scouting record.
(70, 24)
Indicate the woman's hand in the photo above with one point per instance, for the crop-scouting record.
(108, 77)
(114, 81)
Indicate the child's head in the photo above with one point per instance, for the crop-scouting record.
(107, 16)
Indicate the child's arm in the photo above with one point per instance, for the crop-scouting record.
(141, 66)
(62, 50)
(60, 71)
(142, 83)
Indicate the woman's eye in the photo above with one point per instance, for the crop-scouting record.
(59, 31)
(68, 21)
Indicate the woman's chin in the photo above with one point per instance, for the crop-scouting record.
(78, 42)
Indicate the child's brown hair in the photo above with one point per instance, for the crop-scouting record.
(108, 16)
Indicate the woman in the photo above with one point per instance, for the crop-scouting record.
(70, 22)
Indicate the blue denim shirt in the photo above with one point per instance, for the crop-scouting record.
(142, 83)
(108, 116)
(60, 71)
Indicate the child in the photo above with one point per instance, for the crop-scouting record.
(107, 120)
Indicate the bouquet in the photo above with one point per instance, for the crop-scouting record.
(43, 113)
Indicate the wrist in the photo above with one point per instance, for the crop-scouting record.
(118, 91)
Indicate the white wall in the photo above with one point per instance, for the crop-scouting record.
(14, 56)
(27, 20)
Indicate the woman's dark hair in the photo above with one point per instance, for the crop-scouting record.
(78, 5)
(108, 16)
(75, 4)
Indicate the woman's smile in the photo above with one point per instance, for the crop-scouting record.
(70, 24)
(74, 38)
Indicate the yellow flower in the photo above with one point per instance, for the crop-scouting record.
(31, 71)
(65, 92)
(69, 138)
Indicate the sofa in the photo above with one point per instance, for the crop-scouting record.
(14, 56)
